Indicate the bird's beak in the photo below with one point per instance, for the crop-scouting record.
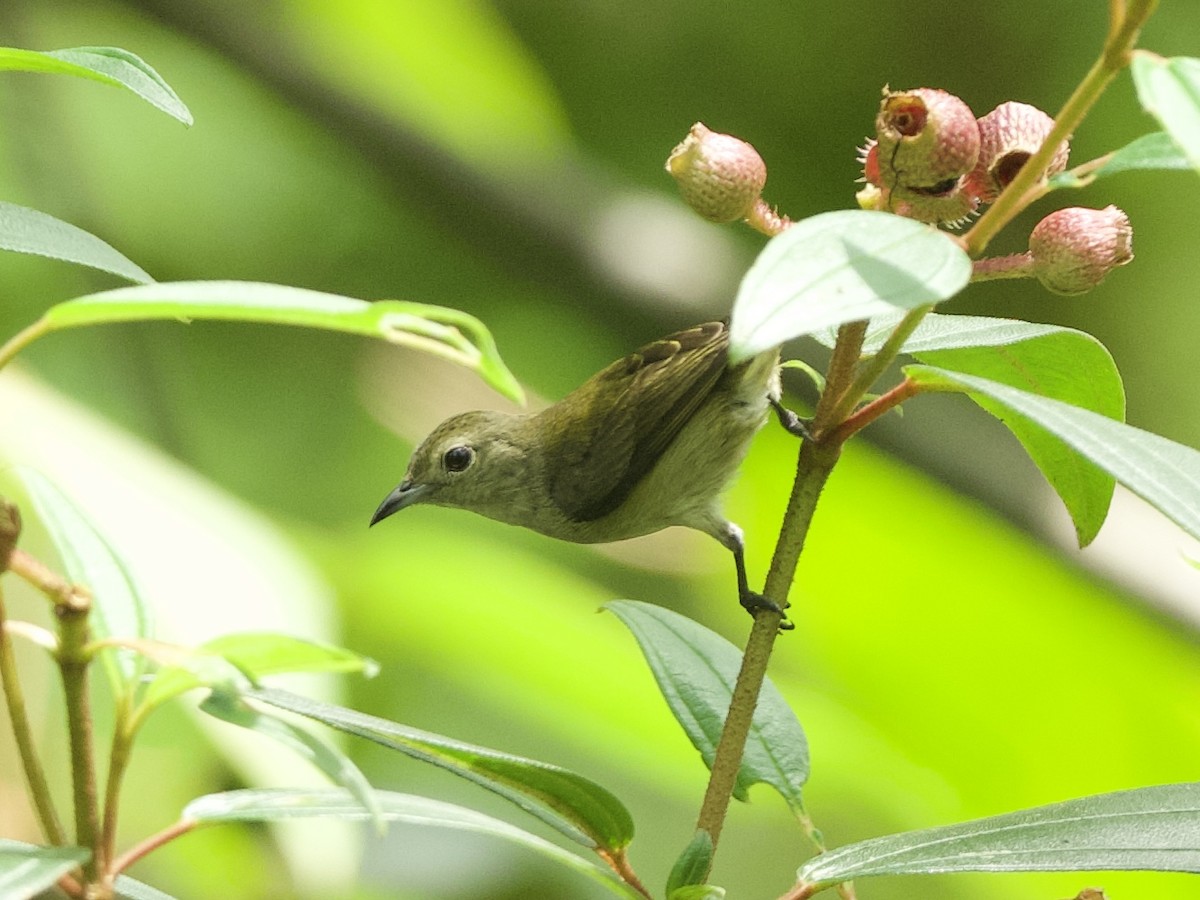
(405, 494)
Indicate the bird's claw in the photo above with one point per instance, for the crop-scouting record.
(792, 423)
(755, 603)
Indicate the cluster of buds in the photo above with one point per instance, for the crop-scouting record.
(932, 160)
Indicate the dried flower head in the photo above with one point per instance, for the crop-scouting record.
(1008, 136)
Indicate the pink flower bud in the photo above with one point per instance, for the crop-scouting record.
(1073, 249)
(927, 140)
(721, 177)
(1008, 136)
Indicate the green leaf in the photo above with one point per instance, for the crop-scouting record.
(240, 659)
(109, 65)
(1055, 362)
(129, 889)
(26, 870)
(117, 607)
(275, 805)
(1156, 828)
(696, 669)
(580, 809)
(1163, 473)
(448, 333)
(330, 760)
(697, 892)
(24, 230)
(1150, 151)
(1169, 89)
(839, 267)
(692, 866)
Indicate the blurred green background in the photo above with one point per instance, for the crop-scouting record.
(950, 659)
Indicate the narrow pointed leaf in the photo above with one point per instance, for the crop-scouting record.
(1060, 363)
(24, 230)
(332, 762)
(109, 65)
(1156, 828)
(130, 889)
(26, 870)
(696, 669)
(118, 609)
(1163, 473)
(570, 803)
(276, 805)
(243, 658)
(1169, 89)
(693, 865)
(449, 333)
(839, 267)
(1151, 151)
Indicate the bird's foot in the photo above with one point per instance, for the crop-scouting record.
(755, 603)
(791, 422)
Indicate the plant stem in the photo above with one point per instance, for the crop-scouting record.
(878, 363)
(21, 340)
(1113, 58)
(150, 844)
(35, 775)
(73, 662)
(118, 763)
(619, 863)
(996, 268)
(816, 460)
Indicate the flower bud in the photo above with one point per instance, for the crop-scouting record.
(927, 139)
(1008, 136)
(721, 177)
(1073, 249)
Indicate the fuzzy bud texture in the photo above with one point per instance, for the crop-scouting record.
(927, 139)
(1008, 136)
(1073, 249)
(721, 177)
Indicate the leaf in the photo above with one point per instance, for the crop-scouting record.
(24, 230)
(1151, 151)
(696, 670)
(692, 866)
(1163, 473)
(840, 267)
(448, 333)
(129, 889)
(697, 892)
(274, 805)
(109, 65)
(579, 808)
(330, 760)
(242, 658)
(1155, 828)
(26, 870)
(1169, 89)
(118, 609)
(1050, 361)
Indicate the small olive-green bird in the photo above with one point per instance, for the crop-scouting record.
(651, 441)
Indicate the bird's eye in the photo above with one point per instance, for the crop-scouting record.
(456, 459)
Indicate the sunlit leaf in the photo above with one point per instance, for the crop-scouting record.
(24, 230)
(696, 669)
(110, 65)
(1163, 473)
(1169, 89)
(840, 267)
(1051, 361)
(331, 761)
(575, 806)
(1150, 151)
(26, 870)
(118, 609)
(1156, 828)
(275, 805)
(697, 892)
(449, 333)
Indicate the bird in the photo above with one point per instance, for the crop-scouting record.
(650, 441)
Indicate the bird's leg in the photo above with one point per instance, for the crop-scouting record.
(751, 601)
(791, 422)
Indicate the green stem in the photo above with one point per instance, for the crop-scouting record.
(1017, 196)
(35, 775)
(878, 363)
(21, 340)
(815, 463)
(133, 854)
(118, 764)
(74, 662)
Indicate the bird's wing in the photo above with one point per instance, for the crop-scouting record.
(607, 434)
